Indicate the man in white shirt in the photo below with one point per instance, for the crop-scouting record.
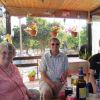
(53, 69)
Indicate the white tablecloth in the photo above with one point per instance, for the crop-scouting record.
(93, 97)
(75, 63)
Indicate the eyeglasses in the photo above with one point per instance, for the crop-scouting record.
(57, 44)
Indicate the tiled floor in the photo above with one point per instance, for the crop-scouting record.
(32, 84)
(29, 84)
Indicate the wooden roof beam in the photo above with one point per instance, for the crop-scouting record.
(42, 12)
(96, 11)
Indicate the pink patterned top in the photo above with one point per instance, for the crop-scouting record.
(11, 85)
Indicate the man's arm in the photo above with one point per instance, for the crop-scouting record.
(65, 74)
(43, 69)
(92, 80)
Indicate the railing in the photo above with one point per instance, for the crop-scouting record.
(26, 63)
(33, 61)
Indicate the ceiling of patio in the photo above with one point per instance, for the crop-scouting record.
(51, 8)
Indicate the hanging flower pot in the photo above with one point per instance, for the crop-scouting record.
(32, 32)
(72, 31)
(54, 31)
(74, 34)
(32, 29)
(53, 34)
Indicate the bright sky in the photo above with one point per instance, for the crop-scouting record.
(15, 21)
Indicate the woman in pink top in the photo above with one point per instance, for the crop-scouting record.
(11, 84)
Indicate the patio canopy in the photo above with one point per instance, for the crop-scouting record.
(52, 8)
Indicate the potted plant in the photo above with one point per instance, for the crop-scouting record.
(54, 31)
(84, 53)
(31, 29)
(31, 75)
(73, 31)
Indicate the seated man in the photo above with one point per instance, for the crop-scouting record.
(94, 70)
(53, 69)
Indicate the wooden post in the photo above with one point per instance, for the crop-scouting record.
(20, 36)
(8, 23)
(89, 33)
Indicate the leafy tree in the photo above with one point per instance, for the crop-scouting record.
(26, 39)
(2, 28)
(43, 35)
(83, 36)
(63, 39)
(40, 41)
(16, 37)
(72, 42)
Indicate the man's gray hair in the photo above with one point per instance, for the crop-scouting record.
(55, 39)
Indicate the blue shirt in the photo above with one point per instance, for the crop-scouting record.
(54, 66)
(95, 64)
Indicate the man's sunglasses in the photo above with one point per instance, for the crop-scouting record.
(55, 44)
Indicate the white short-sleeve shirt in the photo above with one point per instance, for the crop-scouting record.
(54, 66)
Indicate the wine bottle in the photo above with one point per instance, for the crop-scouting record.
(81, 86)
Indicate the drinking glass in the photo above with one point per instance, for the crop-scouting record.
(98, 89)
(74, 80)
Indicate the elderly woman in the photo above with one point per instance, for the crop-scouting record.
(11, 84)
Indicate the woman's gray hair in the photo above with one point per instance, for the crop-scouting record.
(2, 46)
(10, 47)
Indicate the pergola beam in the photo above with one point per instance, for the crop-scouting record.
(8, 22)
(41, 12)
(96, 11)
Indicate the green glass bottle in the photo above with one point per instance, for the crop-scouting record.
(81, 86)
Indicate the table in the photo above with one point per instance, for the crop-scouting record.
(92, 97)
(62, 93)
(75, 63)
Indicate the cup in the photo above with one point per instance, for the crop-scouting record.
(68, 91)
(74, 80)
(98, 89)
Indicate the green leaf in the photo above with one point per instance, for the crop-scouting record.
(32, 73)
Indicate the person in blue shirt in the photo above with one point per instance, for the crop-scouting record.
(94, 70)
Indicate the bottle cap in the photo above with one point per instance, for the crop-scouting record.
(81, 72)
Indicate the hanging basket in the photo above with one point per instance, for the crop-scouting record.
(53, 34)
(74, 34)
(31, 29)
(54, 30)
(31, 32)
